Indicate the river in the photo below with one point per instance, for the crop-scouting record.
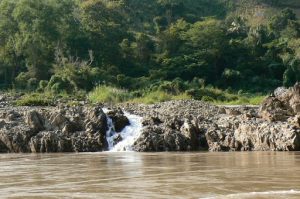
(152, 175)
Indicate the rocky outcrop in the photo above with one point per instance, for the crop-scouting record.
(193, 125)
(54, 129)
(281, 105)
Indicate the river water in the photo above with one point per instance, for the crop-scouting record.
(151, 175)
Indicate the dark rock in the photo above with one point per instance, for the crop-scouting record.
(119, 120)
(118, 138)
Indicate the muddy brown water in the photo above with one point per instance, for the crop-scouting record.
(151, 175)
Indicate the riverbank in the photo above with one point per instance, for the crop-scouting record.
(178, 125)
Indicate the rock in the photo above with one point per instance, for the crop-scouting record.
(295, 121)
(118, 138)
(119, 120)
(268, 137)
(192, 133)
(232, 111)
(85, 142)
(272, 109)
(34, 120)
(176, 141)
(50, 142)
(222, 110)
(150, 140)
(58, 121)
(95, 120)
(16, 139)
(12, 116)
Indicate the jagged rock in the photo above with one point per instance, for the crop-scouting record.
(192, 133)
(95, 120)
(268, 137)
(284, 103)
(151, 139)
(35, 120)
(119, 120)
(272, 109)
(50, 142)
(86, 142)
(58, 121)
(16, 138)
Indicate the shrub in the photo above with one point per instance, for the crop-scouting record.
(35, 99)
(59, 84)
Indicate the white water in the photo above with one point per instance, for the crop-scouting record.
(129, 134)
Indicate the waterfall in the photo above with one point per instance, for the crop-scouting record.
(128, 135)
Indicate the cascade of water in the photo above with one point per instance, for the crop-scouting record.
(128, 135)
(110, 133)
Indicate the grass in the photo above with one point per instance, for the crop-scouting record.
(243, 100)
(35, 99)
(48, 98)
(112, 95)
(108, 94)
(159, 96)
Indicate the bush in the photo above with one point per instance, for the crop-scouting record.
(59, 84)
(21, 80)
(207, 99)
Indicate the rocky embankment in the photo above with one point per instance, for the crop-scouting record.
(186, 125)
(56, 129)
(194, 125)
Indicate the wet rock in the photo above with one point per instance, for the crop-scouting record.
(119, 120)
(118, 138)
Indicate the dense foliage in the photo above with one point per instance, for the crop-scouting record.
(140, 45)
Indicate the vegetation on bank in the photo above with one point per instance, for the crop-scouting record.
(220, 51)
(111, 95)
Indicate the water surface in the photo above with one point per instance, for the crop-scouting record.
(159, 175)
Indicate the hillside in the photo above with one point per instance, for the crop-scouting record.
(185, 48)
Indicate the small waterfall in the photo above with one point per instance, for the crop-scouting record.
(110, 133)
(128, 135)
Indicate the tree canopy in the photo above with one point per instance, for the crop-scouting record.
(77, 44)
